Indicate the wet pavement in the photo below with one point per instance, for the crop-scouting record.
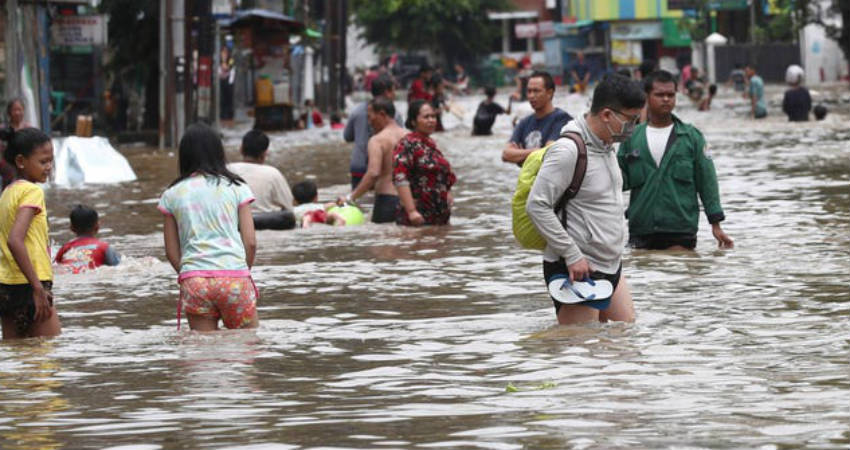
(382, 337)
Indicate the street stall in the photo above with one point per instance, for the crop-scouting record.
(263, 65)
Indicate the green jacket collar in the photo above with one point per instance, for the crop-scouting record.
(681, 128)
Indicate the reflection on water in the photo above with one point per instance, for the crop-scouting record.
(30, 379)
(380, 337)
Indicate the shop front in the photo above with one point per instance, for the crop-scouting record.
(263, 71)
(662, 41)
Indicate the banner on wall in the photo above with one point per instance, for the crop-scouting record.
(626, 53)
(636, 31)
(525, 30)
(78, 30)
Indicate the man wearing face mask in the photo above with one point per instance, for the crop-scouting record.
(540, 128)
(591, 242)
(666, 165)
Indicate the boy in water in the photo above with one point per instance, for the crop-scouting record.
(86, 251)
(308, 210)
(705, 103)
(486, 114)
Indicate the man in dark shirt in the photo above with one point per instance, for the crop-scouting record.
(540, 128)
(580, 73)
(486, 114)
(797, 102)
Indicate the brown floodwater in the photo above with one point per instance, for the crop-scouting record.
(391, 338)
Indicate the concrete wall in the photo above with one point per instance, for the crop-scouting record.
(822, 59)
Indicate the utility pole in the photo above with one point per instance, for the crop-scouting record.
(341, 60)
(335, 21)
(752, 21)
(188, 57)
(163, 71)
(178, 38)
(13, 71)
(205, 44)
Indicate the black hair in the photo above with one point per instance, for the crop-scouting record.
(647, 67)
(490, 91)
(12, 102)
(547, 78)
(659, 76)
(201, 151)
(255, 143)
(712, 90)
(381, 85)
(308, 102)
(820, 112)
(21, 142)
(424, 68)
(83, 219)
(435, 80)
(617, 92)
(413, 112)
(305, 191)
(625, 72)
(335, 118)
(383, 104)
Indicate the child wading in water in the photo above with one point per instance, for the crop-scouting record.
(209, 236)
(86, 252)
(26, 277)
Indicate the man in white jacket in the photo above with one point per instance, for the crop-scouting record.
(591, 242)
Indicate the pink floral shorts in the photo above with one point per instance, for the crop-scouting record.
(233, 299)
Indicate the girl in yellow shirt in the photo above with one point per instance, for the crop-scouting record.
(26, 276)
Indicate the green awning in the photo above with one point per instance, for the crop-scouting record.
(311, 33)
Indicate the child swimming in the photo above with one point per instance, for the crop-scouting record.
(86, 251)
(209, 236)
(308, 210)
(26, 277)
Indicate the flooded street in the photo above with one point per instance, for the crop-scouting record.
(391, 338)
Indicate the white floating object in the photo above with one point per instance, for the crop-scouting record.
(81, 160)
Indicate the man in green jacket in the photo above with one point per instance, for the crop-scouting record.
(666, 165)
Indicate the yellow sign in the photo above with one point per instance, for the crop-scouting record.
(626, 53)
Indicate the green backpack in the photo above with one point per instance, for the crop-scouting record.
(524, 230)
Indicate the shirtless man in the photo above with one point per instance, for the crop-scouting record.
(379, 173)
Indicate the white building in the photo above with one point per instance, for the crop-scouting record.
(821, 56)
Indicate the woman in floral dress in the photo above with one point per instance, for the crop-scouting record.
(421, 173)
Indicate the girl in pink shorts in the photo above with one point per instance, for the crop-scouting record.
(209, 236)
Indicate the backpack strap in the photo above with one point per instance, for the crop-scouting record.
(578, 175)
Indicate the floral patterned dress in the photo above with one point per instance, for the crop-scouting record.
(419, 164)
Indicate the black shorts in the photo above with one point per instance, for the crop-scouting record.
(16, 302)
(560, 268)
(385, 208)
(663, 241)
(355, 180)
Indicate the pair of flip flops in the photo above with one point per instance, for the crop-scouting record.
(594, 293)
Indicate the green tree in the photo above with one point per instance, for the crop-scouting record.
(456, 30)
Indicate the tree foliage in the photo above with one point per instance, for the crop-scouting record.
(784, 26)
(456, 29)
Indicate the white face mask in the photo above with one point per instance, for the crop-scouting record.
(626, 130)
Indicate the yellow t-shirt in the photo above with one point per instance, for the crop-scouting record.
(23, 194)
